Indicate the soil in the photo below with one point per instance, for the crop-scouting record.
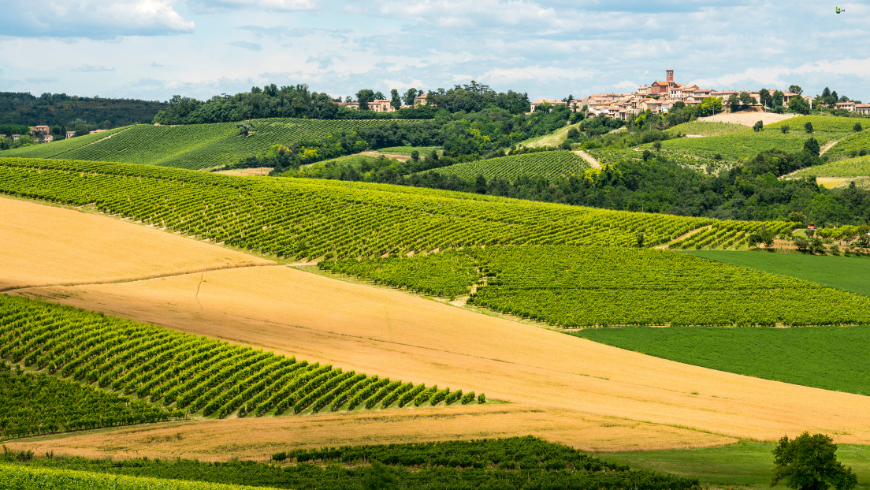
(246, 172)
(589, 158)
(747, 118)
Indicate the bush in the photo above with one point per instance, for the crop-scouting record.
(857, 127)
(784, 128)
(758, 126)
(808, 127)
(863, 152)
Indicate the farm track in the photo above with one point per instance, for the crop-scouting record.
(589, 158)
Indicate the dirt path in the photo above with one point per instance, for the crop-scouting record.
(828, 146)
(589, 158)
(682, 237)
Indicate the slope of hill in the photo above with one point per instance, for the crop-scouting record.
(56, 149)
(314, 218)
(195, 146)
(852, 145)
(705, 128)
(549, 164)
(839, 173)
(60, 109)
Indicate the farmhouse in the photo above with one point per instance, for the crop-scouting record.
(381, 105)
(421, 100)
(849, 106)
(70, 134)
(15, 137)
(862, 108)
(39, 129)
(540, 102)
(348, 105)
(48, 138)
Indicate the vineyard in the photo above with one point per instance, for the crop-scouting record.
(615, 155)
(707, 128)
(58, 148)
(851, 146)
(190, 374)
(548, 164)
(853, 167)
(320, 218)
(517, 462)
(733, 235)
(197, 146)
(33, 404)
(590, 286)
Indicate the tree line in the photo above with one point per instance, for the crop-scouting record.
(22, 108)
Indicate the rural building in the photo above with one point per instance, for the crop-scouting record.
(37, 129)
(348, 105)
(421, 100)
(70, 134)
(863, 109)
(381, 105)
(48, 138)
(15, 137)
(849, 106)
(547, 101)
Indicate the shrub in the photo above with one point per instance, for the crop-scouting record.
(758, 126)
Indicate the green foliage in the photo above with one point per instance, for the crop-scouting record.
(57, 148)
(549, 164)
(519, 462)
(59, 109)
(810, 463)
(17, 477)
(193, 373)
(831, 358)
(286, 216)
(587, 286)
(759, 126)
(850, 145)
(33, 404)
(706, 128)
(812, 146)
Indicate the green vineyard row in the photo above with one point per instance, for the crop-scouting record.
(593, 286)
(320, 218)
(549, 164)
(193, 146)
(189, 373)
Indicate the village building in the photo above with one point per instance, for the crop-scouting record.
(37, 129)
(70, 134)
(862, 109)
(15, 137)
(422, 100)
(849, 106)
(381, 105)
(552, 103)
(48, 138)
(348, 105)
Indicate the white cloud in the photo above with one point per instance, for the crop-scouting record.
(92, 19)
(247, 45)
(39, 81)
(325, 59)
(627, 85)
(92, 68)
(270, 5)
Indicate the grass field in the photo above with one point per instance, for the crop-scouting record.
(852, 144)
(549, 164)
(852, 167)
(553, 139)
(846, 273)
(197, 146)
(743, 464)
(43, 245)
(832, 358)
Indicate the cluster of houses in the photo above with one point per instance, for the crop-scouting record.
(660, 97)
(384, 105)
(853, 107)
(47, 137)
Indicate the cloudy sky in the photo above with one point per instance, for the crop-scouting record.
(154, 49)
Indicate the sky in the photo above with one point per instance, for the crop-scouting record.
(154, 49)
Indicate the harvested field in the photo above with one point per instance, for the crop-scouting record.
(246, 172)
(747, 118)
(410, 338)
(51, 245)
(221, 440)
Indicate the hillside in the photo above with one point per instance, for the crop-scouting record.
(195, 146)
(549, 164)
(838, 173)
(852, 145)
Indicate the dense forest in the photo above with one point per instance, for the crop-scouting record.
(66, 110)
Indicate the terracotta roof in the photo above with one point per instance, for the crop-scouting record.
(863, 105)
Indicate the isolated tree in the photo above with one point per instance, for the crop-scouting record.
(733, 101)
(766, 99)
(764, 235)
(801, 243)
(810, 463)
(808, 127)
(415, 155)
(784, 128)
(778, 98)
(795, 89)
(245, 128)
(812, 146)
(746, 99)
(640, 239)
(480, 184)
(857, 127)
(657, 145)
(573, 134)
(758, 126)
(826, 92)
(395, 100)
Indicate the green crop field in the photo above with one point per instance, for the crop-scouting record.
(407, 150)
(517, 462)
(831, 358)
(553, 139)
(590, 286)
(853, 167)
(37, 403)
(705, 128)
(549, 164)
(845, 273)
(189, 373)
(321, 218)
(839, 126)
(746, 463)
(851, 145)
(730, 234)
(56, 149)
(200, 146)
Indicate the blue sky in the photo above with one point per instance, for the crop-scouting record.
(153, 49)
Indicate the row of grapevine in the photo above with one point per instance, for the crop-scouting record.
(190, 374)
(318, 218)
(549, 164)
(594, 286)
(194, 146)
(57, 149)
(730, 234)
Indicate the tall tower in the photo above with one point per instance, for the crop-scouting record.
(670, 78)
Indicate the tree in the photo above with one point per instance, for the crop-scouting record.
(758, 126)
(415, 155)
(746, 99)
(480, 185)
(364, 96)
(801, 243)
(657, 145)
(395, 101)
(765, 98)
(799, 104)
(764, 235)
(733, 101)
(711, 105)
(410, 95)
(778, 98)
(834, 97)
(245, 128)
(796, 217)
(808, 127)
(812, 146)
(378, 96)
(810, 463)
(784, 128)
(795, 89)
(379, 477)
(826, 92)
(857, 127)
(573, 134)
(640, 239)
